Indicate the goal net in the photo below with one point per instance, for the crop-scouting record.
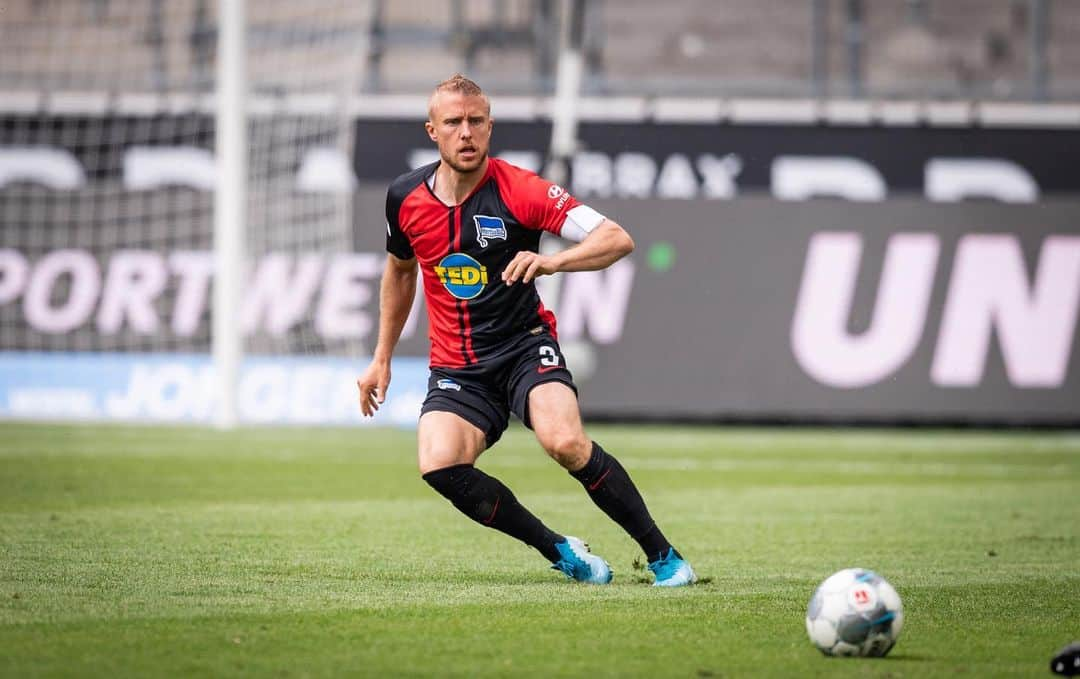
(107, 179)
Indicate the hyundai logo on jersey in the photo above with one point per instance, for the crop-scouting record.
(463, 276)
(489, 227)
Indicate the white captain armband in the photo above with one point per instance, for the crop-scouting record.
(580, 222)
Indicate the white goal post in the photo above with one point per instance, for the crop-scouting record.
(230, 214)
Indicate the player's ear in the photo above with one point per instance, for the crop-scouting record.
(431, 131)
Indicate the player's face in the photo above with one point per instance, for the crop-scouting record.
(461, 126)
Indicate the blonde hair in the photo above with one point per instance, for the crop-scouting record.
(460, 84)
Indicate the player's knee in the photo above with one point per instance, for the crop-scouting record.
(569, 448)
(434, 457)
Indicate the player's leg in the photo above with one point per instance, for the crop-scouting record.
(456, 426)
(556, 420)
(448, 449)
(554, 416)
(446, 440)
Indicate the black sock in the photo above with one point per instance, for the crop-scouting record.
(485, 500)
(611, 488)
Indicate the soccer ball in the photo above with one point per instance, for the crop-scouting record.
(854, 612)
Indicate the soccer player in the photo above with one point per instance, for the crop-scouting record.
(472, 224)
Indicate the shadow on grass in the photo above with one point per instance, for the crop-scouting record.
(908, 657)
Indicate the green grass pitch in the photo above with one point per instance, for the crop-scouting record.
(131, 551)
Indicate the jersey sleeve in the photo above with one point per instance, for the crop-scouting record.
(540, 204)
(397, 243)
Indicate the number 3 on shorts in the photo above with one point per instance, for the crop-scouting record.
(548, 356)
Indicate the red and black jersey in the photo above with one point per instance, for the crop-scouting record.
(463, 249)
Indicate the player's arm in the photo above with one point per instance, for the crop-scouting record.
(395, 301)
(604, 245)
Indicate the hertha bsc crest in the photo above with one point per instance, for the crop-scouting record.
(489, 227)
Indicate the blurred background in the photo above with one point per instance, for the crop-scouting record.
(987, 49)
(854, 211)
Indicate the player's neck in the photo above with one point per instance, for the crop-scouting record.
(453, 187)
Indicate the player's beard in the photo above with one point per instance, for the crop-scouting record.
(462, 169)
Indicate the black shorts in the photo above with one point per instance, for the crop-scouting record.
(486, 393)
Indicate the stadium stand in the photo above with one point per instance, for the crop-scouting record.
(998, 49)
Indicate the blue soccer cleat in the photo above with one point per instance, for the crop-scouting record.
(672, 570)
(579, 564)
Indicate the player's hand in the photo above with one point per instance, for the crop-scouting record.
(526, 266)
(373, 385)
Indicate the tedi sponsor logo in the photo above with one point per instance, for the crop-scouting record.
(463, 276)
